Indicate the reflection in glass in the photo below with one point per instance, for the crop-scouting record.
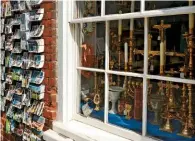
(170, 46)
(171, 110)
(113, 7)
(92, 49)
(87, 9)
(125, 102)
(126, 37)
(152, 5)
(92, 94)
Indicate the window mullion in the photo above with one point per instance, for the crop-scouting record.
(106, 74)
(142, 6)
(102, 7)
(145, 85)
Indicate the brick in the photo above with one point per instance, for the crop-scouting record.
(50, 49)
(52, 65)
(50, 73)
(48, 6)
(46, 73)
(52, 82)
(48, 57)
(49, 41)
(49, 113)
(46, 65)
(50, 15)
(49, 123)
(45, 81)
(54, 57)
(49, 23)
(49, 32)
(52, 23)
(52, 97)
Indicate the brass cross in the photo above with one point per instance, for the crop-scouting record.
(161, 29)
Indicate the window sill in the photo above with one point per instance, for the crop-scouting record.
(50, 135)
(81, 132)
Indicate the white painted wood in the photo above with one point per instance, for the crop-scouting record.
(145, 86)
(151, 13)
(107, 42)
(91, 69)
(125, 73)
(171, 79)
(51, 135)
(142, 6)
(62, 59)
(102, 7)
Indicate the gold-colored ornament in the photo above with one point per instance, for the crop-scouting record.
(97, 101)
(128, 109)
(167, 126)
(186, 131)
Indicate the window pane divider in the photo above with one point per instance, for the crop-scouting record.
(171, 79)
(142, 6)
(91, 69)
(106, 84)
(145, 85)
(125, 73)
(135, 15)
(102, 7)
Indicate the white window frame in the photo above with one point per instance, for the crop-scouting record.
(68, 77)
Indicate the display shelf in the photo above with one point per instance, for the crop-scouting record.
(136, 125)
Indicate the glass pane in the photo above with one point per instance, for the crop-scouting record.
(125, 102)
(92, 94)
(87, 8)
(171, 46)
(152, 5)
(116, 7)
(171, 111)
(126, 37)
(92, 49)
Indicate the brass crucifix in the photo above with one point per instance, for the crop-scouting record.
(161, 29)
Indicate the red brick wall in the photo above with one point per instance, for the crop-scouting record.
(50, 81)
(49, 68)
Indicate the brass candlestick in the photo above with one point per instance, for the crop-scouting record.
(96, 99)
(190, 45)
(111, 83)
(119, 58)
(167, 126)
(190, 117)
(189, 39)
(186, 131)
(183, 111)
(131, 44)
(171, 98)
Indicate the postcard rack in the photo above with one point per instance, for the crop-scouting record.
(22, 58)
